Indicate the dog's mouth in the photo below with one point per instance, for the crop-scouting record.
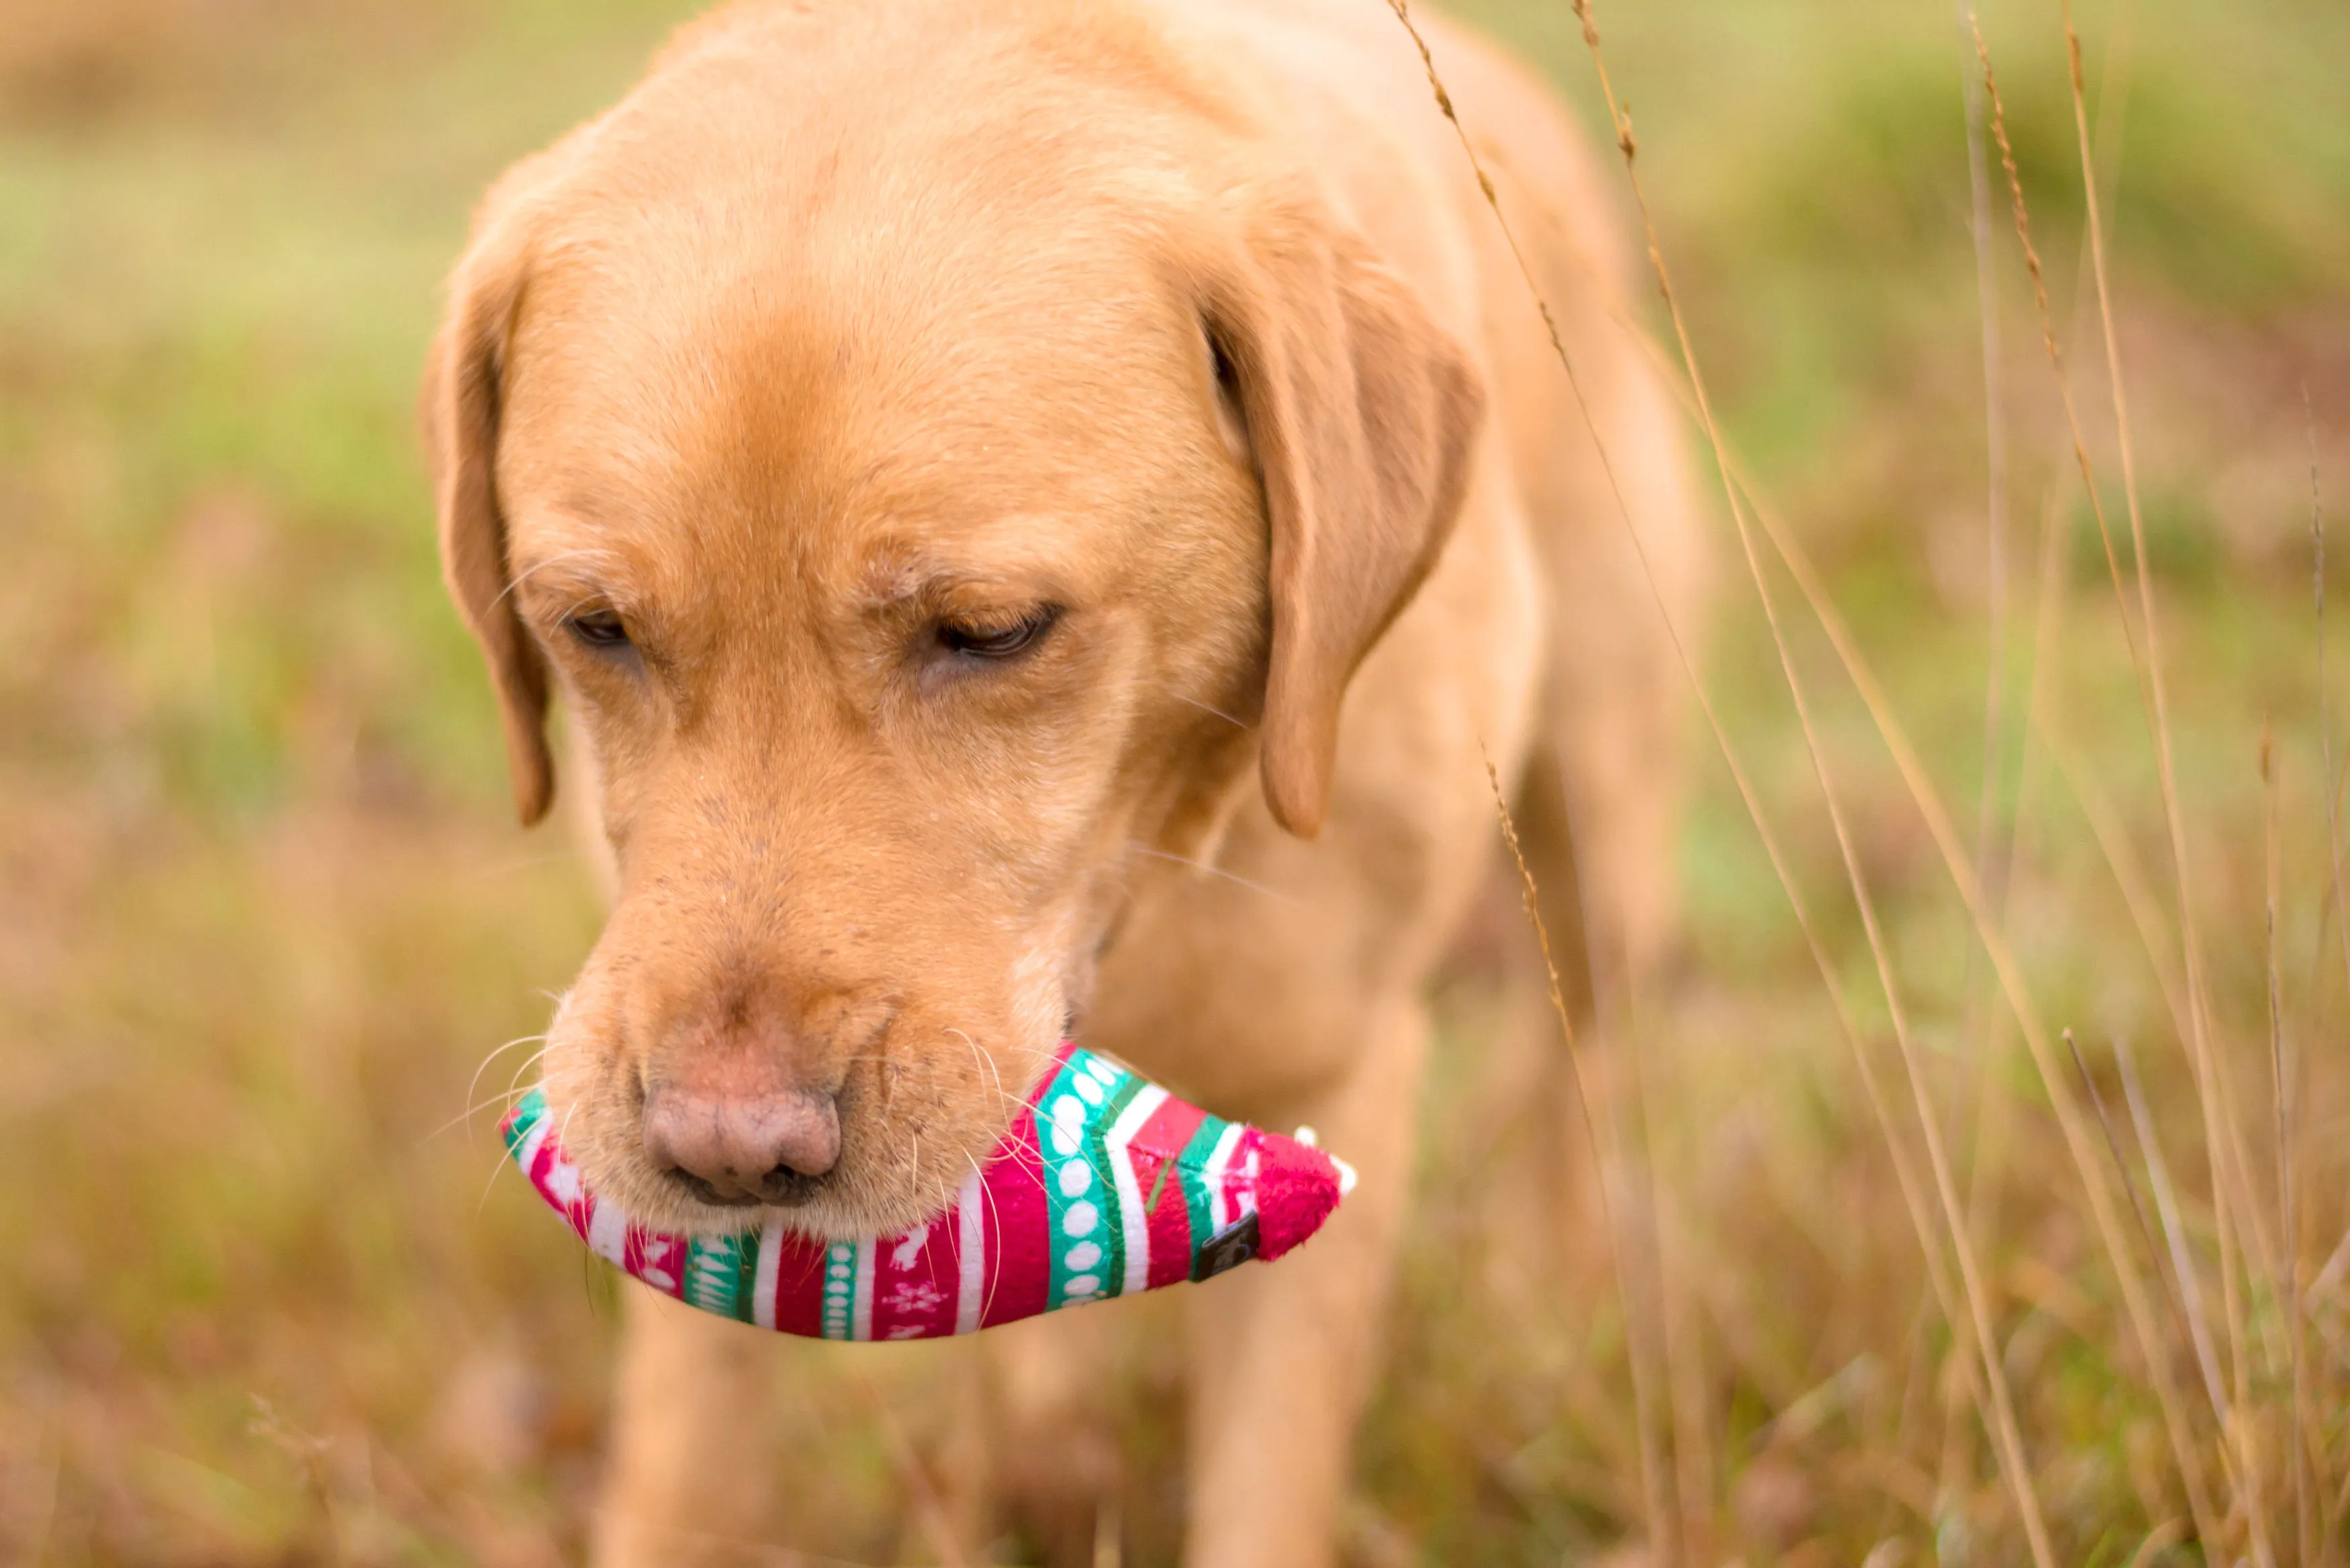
(858, 1116)
(781, 1188)
(912, 1122)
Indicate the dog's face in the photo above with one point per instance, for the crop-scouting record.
(918, 529)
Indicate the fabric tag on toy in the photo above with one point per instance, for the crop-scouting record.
(1230, 1248)
(1105, 1185)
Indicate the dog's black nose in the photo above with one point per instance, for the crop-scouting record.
(766, 1147)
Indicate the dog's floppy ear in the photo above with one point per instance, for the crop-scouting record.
(1360, 413)
(461, 394)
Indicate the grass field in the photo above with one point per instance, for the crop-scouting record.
(264, 1301)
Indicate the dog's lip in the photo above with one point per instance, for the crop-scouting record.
(704, 1193)
(797, 1192)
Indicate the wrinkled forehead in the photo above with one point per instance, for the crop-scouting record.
(848, 393)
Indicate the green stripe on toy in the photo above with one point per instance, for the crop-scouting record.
(1106, 1185)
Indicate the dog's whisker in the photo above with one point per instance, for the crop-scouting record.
(507, 868)
(984, 1059)
(497, 1169)
(987, 1196)
(475, 1108)
(514, 1089)
(1212, 708)
(503, 1097)
(1272, 893)
(475, 1081)
(525, 1066)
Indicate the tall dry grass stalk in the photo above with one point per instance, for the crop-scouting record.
(2184, 1279)
(1603, 1150)
(1651, 1466)
(2211, 1079)
(2324, 712)
(2006, 1434)
(1999, 1418)
(2113, 1146)
(2305, 1439)
(2288, 1284)
(1979, 881)
(1970, 886)
(2191, 1010)
(1990, 852)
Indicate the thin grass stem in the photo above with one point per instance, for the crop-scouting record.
(2280, 1085)
(1988, 852)
(1530, 896)
(1939, 828)
(2121, 1166)
(2327, 1532)
(1905, 1177)
(2190, 942)
(2324, 709)
(2166, 1200)
(2007, 1436)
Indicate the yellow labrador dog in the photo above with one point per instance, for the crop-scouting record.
(1039, 512)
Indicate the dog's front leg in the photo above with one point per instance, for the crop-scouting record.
(1282, 1356)
(688, 1481)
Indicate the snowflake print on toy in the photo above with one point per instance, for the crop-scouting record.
(1106, 1185)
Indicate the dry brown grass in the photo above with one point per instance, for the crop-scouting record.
(2249, 1517)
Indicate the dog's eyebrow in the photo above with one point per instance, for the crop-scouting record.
(585, 571)
(988, 568)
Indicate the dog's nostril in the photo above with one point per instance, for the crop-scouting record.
(787, 1189)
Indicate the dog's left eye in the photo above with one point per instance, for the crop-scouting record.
(599, 630)
(997, 641)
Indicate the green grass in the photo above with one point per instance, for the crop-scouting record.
(265, 914)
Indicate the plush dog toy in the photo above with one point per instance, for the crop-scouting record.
(1106, 1185)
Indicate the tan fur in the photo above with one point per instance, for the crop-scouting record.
(857, 319)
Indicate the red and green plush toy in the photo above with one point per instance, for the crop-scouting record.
(1106, 1185)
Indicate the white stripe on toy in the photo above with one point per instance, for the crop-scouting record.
(971, 1249)
(526, 1156)
(762, 1281)
(862, 1325)
(608, 1234)
(1222, 1203)
(1129, 1192)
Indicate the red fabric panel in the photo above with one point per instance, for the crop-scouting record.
(1156, 1143)
(915, 1277)
(1014, 1220)
(799, 1285)
(648, 1254)
(1296, 1187)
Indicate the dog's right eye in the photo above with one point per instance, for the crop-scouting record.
(599, 630)
(998, 641)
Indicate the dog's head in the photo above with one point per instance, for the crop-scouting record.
(925, 485)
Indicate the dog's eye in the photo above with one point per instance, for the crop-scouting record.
(997, 641)
(599, 630)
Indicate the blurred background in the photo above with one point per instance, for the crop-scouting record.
(266, 1298)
